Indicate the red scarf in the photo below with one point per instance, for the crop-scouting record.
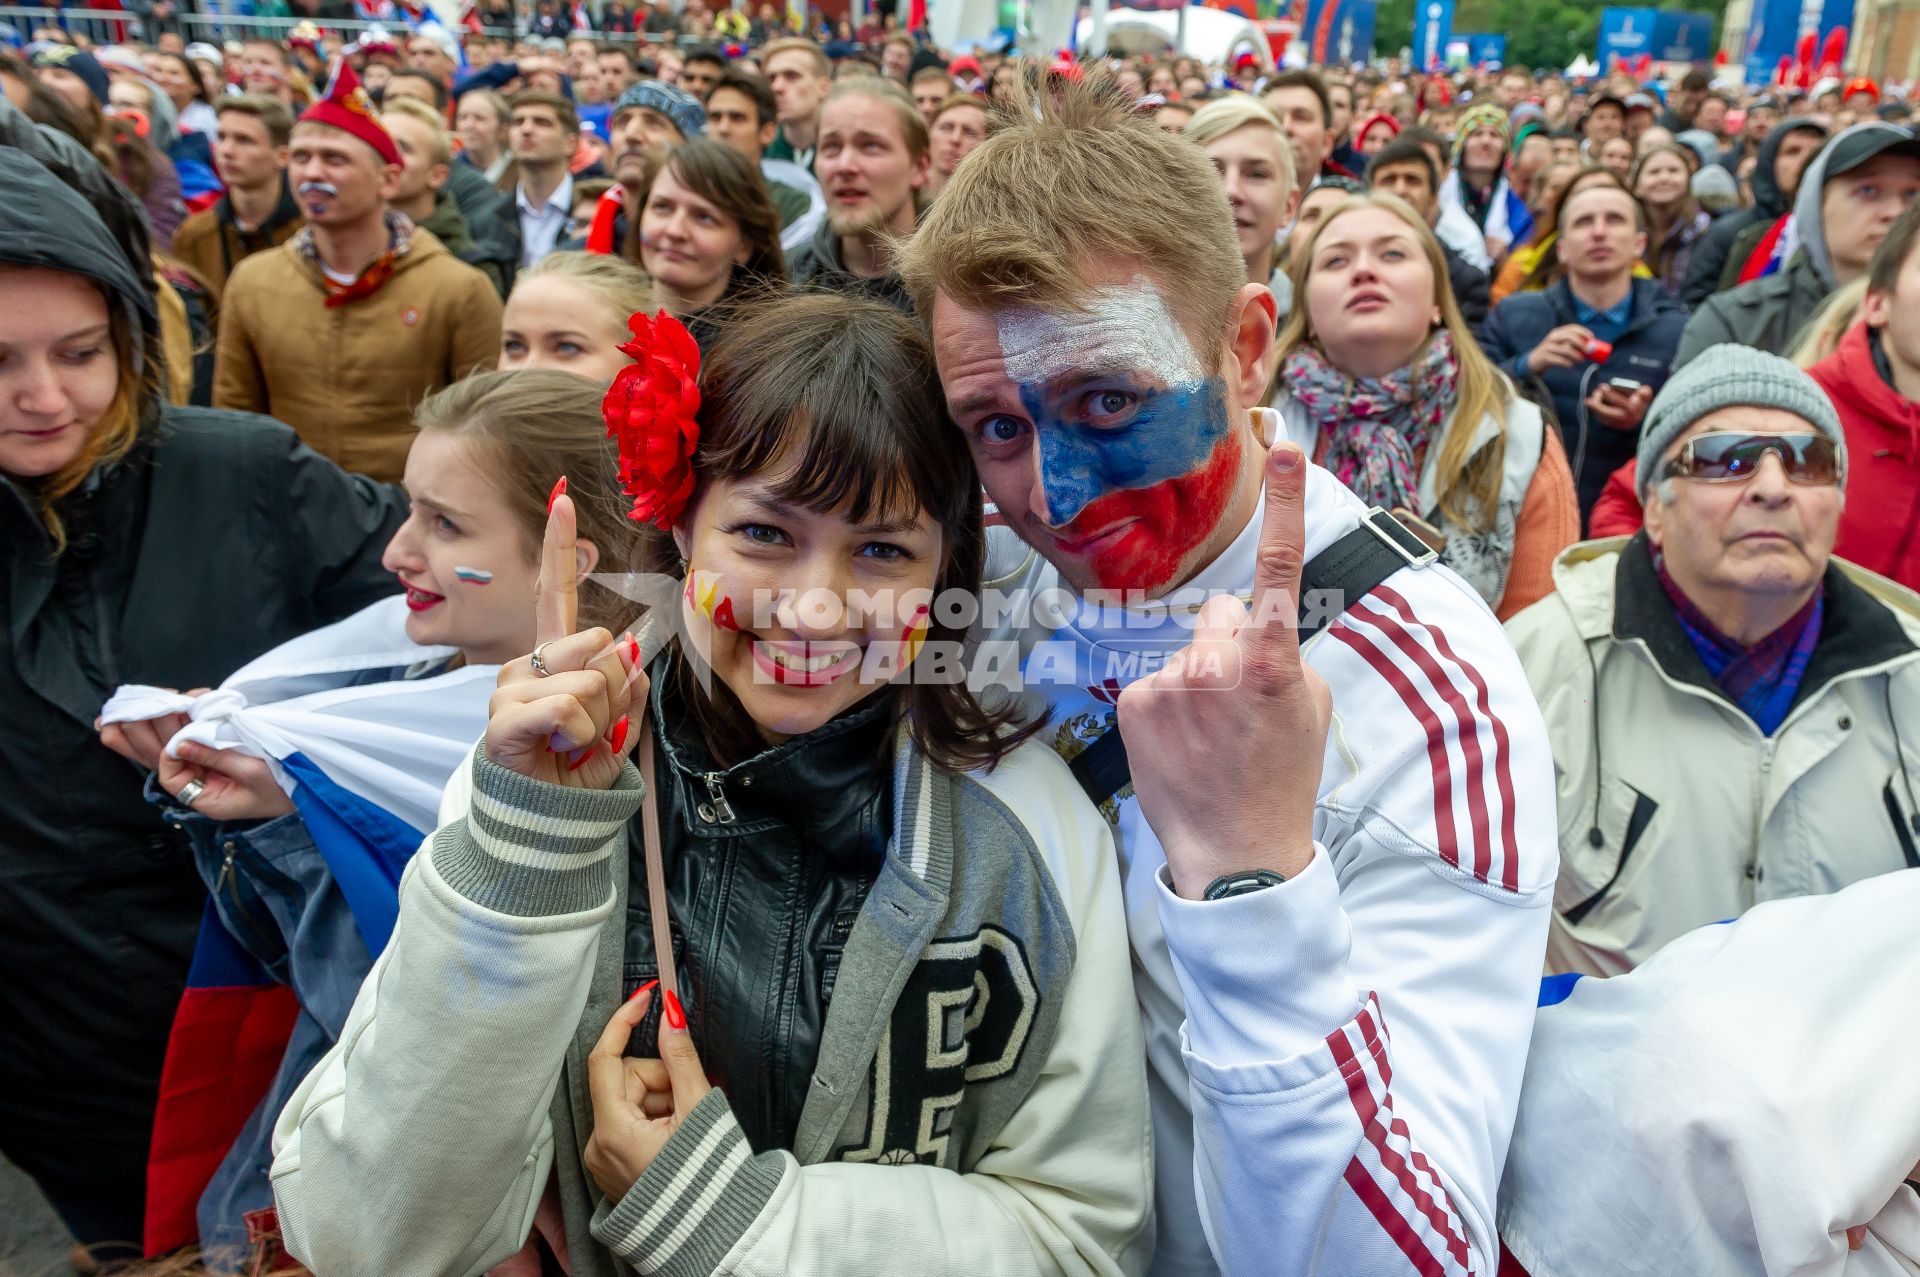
(366, 284)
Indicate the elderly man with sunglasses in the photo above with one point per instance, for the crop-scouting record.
(1735, 713)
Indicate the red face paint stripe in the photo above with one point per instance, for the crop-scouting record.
(1444, 832)
(1503, 773)
(1468, 728)
(1173, 518)
(723, 616)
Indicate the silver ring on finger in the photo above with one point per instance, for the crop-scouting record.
(190, 791)
(539, 665)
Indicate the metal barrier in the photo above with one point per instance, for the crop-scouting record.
(110, 26)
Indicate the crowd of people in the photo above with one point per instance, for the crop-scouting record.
(769, 650)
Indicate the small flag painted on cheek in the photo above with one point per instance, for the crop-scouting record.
(703, 592)
(474, 576)
(915, 635)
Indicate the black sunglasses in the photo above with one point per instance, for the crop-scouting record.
(1731, 457)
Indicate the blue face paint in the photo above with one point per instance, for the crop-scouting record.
(1086, 454)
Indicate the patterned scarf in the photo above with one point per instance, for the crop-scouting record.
(374, 274)
(1761, 679)
(1376, 429)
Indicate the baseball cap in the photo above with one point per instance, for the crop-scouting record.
(1863, 142)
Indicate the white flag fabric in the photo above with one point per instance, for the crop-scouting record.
(363, 750)
(1733, 1105)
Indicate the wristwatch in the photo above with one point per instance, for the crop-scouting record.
(1227, 886)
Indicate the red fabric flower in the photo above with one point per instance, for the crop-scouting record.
(650, 411)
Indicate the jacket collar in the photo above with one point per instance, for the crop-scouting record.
(285, 212)
(1857, 631)
(819, 781)
(1867, 403)
(1647, 304)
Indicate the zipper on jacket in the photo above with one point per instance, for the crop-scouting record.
(716, 808)
(230, 880)
(1754, 870)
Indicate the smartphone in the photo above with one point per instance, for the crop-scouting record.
(1625, 385)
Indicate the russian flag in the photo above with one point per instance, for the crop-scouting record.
(364, 751)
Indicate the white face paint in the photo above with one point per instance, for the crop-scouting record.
(1123, 327)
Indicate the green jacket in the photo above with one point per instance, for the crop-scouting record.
(450, 228)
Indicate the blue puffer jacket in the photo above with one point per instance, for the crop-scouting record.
(1642, 353)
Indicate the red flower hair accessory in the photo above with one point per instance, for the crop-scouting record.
(650, 410)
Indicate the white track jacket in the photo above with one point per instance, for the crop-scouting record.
(1335, 1062)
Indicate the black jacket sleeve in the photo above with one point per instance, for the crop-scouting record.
(333, 528)
(1708, 260)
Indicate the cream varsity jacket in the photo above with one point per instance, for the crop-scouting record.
(425, 1140)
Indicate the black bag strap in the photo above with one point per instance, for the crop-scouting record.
(1330, 582)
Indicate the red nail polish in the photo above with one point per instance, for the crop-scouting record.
(634, 996)
(619, 737)
(580, 762)
(676, 1014)
(633, 649)
(559, 490)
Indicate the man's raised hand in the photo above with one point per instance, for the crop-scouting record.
(1226, 739)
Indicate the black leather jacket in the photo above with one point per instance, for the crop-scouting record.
(767, 866)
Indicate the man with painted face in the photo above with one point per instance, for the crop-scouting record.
(341, 330)
(1337, 930)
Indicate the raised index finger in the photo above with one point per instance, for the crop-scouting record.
(556, 606)
(1283, 538)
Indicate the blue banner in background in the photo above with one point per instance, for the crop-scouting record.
(1774, 29)
(1485, 50)
(1625, 34)
(1682, 36)
(1339, 32)
(1432, 28)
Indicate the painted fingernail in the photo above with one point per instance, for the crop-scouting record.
(634, 996)
(676, 1014)
(633, 649)
(559, 490)
(619, 737)
(581, 761)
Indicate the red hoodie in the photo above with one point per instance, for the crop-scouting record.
(1880, 526)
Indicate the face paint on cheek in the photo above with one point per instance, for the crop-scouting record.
(914, 636)
(703, 593)
(1170, 433)
(1171, 520)
(474, 576)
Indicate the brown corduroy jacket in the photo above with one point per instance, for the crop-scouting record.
(348, 378)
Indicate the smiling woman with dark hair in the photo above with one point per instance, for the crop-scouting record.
(850, 943)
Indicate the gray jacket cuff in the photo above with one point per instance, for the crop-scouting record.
(532, 849)
(698, 1199)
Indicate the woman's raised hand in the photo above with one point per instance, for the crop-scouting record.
(568, 726)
